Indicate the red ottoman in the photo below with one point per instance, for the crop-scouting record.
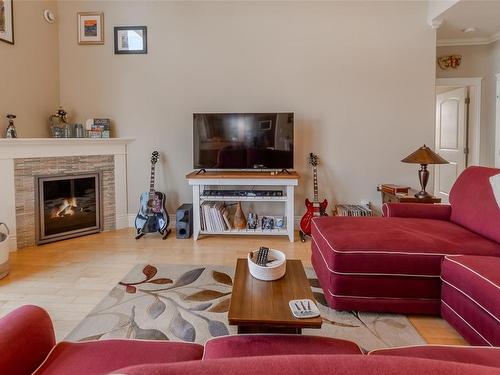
(477, 355)
(471, 297)
(263, 345)
(387, 264)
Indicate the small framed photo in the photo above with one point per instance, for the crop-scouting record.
(90, 28)
(131, 40)
(7, 21)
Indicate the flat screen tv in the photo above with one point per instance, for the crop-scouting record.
(243, 140)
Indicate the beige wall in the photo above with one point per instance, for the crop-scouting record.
(359, 77)
(478, 61)
(29, 82)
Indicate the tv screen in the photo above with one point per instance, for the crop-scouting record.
(243, 140)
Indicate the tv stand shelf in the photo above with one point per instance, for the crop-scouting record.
(250, 179)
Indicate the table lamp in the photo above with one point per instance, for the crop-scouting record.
(424, 156)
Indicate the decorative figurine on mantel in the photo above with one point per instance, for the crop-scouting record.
(11, 129)
(58, 122)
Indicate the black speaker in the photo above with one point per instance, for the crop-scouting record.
(184, 221)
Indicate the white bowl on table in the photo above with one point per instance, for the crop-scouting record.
(274, 271)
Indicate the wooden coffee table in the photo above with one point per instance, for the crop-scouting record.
(262, 306)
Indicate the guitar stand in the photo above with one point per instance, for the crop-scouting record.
(302, 236)
(164, 233)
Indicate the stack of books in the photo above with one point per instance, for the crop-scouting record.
(98, 127)
(215, 217)
(394, 189)
(353, 210)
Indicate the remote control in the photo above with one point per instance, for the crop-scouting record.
(262, 255)
(304, 308)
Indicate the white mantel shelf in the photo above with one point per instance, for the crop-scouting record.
(46, 147)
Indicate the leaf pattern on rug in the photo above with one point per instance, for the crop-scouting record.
(222, 278)
(156, 308)
(201, 306)
(206, 295)
(217, 328)
(191, 303)
(149, 271)
(189, 277)
(136, 332)
(222, 306)
(181, 328)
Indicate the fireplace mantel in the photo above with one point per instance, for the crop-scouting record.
(26, 148)
(51, 147)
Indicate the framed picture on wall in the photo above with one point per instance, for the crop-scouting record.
(90, 28)
(7, 21)
(131, 40)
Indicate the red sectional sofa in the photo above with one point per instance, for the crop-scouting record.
(27, 346)
(393, 263)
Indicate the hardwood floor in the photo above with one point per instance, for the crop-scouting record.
(69, 278)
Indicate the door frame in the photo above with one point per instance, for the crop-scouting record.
(474, 112)
(497, 131)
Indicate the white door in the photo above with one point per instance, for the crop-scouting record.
(451, 139)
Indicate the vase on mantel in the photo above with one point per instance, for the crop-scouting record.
(239, 221)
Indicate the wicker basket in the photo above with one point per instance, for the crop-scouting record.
(4, 251)
(274, 271)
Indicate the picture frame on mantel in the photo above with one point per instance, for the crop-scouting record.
(131, 40)
(90, 28)
(7, 21)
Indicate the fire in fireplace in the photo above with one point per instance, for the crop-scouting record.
(67, 206)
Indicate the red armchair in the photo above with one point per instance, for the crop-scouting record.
(393, 264)
(26, 338)
(27, 346)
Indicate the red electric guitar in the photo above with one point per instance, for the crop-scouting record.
(314, 208)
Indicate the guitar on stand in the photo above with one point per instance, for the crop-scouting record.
(152, 216)
(314, 208)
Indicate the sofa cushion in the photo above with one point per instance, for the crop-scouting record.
(473, 202)
(470, 297)
(393, 246)
(314, 364)
(102, 357)
(262, 345)
(477, 278)
(479, 355)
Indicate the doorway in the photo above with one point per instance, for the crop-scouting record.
(456, 130)
(497, 142)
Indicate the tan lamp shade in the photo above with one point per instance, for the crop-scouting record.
(424, 155)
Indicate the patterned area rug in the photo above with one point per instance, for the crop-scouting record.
(190, 303)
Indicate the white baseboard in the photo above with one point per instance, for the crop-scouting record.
(122, 221)
(12, 243)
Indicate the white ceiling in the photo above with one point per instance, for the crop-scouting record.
(480, 14)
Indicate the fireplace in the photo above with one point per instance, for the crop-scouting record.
(67, 206)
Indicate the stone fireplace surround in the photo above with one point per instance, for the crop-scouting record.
(21, 160)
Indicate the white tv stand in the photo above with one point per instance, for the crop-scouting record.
(287, 181)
